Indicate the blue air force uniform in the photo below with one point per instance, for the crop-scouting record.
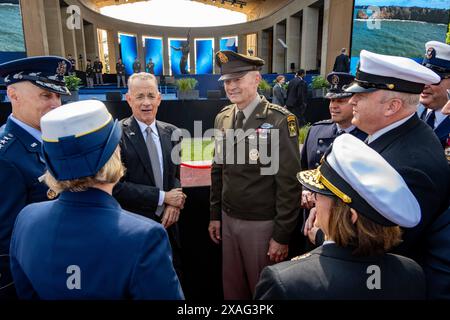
(21, 159)
(84, 246)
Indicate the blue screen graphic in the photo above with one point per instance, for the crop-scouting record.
(128, 50)
(204, 56)
(154, 51)
(176, 55)
(228, 44)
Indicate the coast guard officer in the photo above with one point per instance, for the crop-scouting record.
(34, 86)
(322, 133)
(84, 245)
(434, 96)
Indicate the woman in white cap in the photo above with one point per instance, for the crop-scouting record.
(361, 201)
(83, 245)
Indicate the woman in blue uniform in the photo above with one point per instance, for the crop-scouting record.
(361, 201)
(83, 245)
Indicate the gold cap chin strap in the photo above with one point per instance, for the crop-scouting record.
(341, 195)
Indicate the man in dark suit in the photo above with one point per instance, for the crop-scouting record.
(151, 186)
(34, 87)
(297, 92)
(385, 96)
(342, 62)
(434, 96)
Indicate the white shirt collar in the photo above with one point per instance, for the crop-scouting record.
(390, 127)
(35, 133)
(144, 127)
(328, 242)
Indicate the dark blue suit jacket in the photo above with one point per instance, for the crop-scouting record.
(320, 136)
(21, 166)
(84, 246)
(442, 130)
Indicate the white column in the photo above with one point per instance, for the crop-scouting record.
(293, 43)
(309, 38)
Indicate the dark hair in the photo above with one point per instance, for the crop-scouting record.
(300, 72)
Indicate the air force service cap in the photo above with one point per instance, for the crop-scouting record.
(235, 65)
(378, 71)
(78, 139)
(437, 58)
(46, 72)
(338, 80)
(361, 178)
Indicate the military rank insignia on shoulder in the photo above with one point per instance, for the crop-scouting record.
(5, 141)
(279, 109)
(303, 256)
(323, 122)
(292, 125)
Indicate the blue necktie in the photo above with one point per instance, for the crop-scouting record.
(430, 119)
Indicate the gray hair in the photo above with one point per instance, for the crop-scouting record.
(142, 76)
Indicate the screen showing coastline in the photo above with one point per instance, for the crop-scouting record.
(12, 44)
(397, 27)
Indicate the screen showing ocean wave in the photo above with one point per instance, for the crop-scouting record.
(11, 29)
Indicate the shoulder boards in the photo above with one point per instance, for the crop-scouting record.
(276, 107)
(303, 256)
(5, 141)
(323, 122)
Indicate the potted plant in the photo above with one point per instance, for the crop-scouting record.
(265, 88)
(186, 89)
(302, 134)
(319, 85)
(73, 84)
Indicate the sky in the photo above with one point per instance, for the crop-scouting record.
(440, 4)
(176, 13)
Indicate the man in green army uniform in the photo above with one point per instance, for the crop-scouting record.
(255, 197)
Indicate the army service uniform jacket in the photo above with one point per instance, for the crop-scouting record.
(331, 272)
(240, 190)
(22, 165)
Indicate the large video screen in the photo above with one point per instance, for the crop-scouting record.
(128, 51)
(229, 43)
(179, 56)
(12, 43)
(204, 53)
(154, 51)
(397, 27)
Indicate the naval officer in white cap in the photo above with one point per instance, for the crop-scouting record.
(385, 97)
(84, 245)
(434, 96)
(361, 201)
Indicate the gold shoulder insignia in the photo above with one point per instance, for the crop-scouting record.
(292, 125)
(51, 194)
(303, 256)
(279, 109)
(222, 57)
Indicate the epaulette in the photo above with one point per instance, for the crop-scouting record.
(5, 141)
(303, 256)
(323, 122)
(226, 108)
(284, 111)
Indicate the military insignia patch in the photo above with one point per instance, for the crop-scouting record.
(335, 80)
(253, 155)
(222, 57)
(303, 256)
(431, 53)
(61, 70)
(292, 125)
(51, 194)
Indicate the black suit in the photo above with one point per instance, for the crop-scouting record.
(342, 63)
(332, 272)
(136, 192)
(296, 98)
(415, 152)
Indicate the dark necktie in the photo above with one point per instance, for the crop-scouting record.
(430, 119)
(239, 120)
